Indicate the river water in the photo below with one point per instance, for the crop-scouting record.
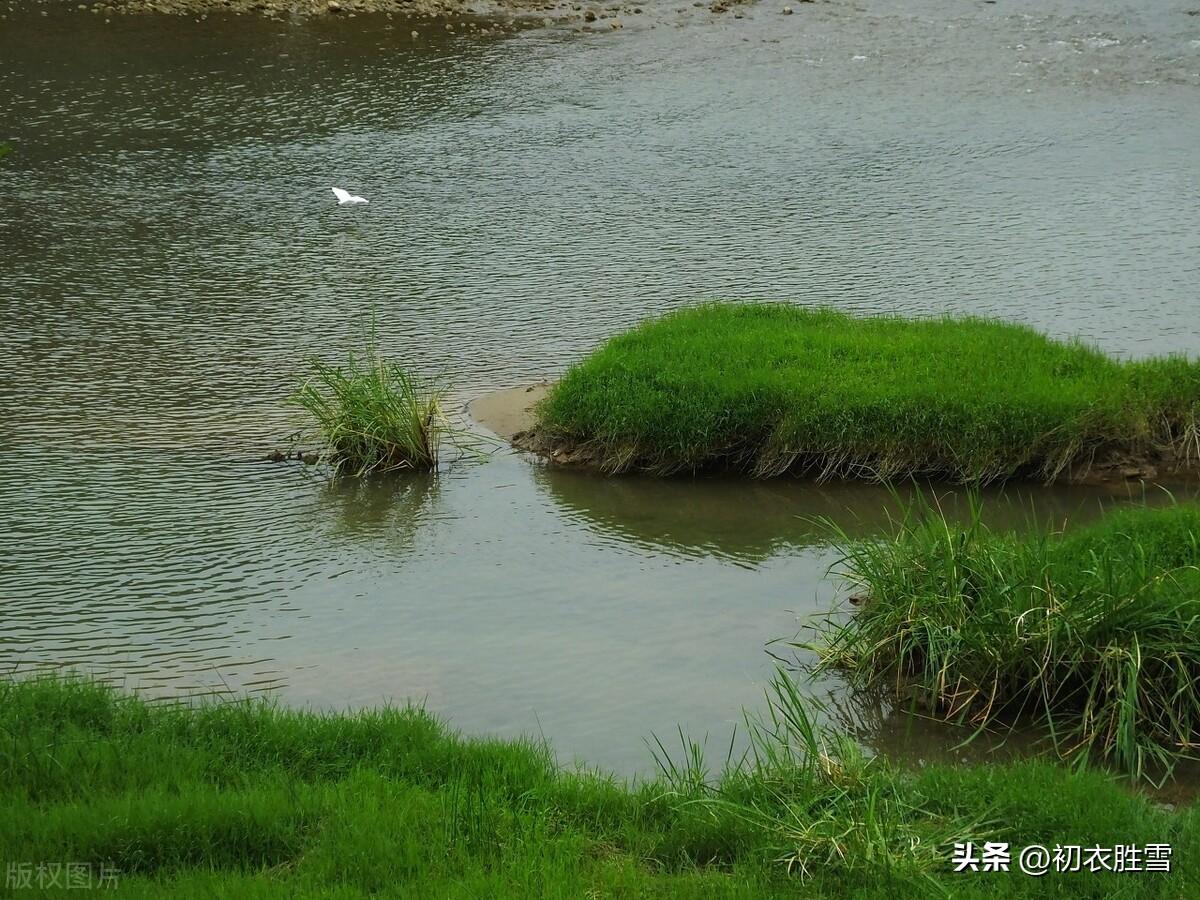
(170, 255)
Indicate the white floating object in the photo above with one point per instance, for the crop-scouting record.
(345, 198)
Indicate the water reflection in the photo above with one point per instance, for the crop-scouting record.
(751, 521)
(172, 83)
(907, 735)
(395, 506)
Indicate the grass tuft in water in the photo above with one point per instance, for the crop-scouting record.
(771, 388)
(816, 801)
(1093, 633)
(372, 416)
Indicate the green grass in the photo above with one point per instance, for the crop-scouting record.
(252, 800)
(371, 416)
(768, 388)
(1093, 634)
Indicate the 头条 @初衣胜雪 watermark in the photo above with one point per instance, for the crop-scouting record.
(1037, 859)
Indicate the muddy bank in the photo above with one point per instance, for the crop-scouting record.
(509, 412)
(511, 415)
(412, 9)
(485, 13)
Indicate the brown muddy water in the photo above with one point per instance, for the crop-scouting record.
(170, 254)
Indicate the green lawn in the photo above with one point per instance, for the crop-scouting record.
(250, 800)
(771, 388)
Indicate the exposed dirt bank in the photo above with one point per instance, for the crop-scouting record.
(510, 414)
(415, 9)
(591, 16)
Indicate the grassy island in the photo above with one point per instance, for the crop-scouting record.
(251, 800)
(1092, 634)
(769, 388)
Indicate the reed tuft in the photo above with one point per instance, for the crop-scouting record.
(1092, 634)
(372, 416)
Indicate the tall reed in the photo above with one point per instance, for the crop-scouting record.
(815, 800)
(372, 415)
(1093, 634)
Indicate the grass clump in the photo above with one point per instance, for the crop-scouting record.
(253, 800)
(1093, 633)
(771, 388)
(371, 416)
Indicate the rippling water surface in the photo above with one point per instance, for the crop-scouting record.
(170, 255)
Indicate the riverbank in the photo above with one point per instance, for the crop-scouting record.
(417, 9)
(769, 389)
(1090, 633)
(457, 14)
(509, 412)
(468, 14)
(250, 799)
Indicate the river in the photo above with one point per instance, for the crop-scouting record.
(171, 255)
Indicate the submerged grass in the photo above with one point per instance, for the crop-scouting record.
(1093, 633)
(771, 388)
(372, 416)
(252, 800)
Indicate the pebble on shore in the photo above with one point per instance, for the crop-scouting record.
(511, 12)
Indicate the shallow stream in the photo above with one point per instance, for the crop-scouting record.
(170, 255)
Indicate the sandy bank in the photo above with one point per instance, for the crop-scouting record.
(509, 412)
(511, 416)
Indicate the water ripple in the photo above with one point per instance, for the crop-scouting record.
(172, 256)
